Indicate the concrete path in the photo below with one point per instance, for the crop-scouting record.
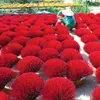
(95, 9)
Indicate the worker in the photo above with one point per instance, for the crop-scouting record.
(67, 18)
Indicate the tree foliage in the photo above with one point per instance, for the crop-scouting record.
(17, 1)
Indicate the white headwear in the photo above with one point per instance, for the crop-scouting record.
(68, 12)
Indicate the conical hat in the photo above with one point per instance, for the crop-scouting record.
(68, 12)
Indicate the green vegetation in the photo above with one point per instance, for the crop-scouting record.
(54, 9)
(94, 3)
(81, 9)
